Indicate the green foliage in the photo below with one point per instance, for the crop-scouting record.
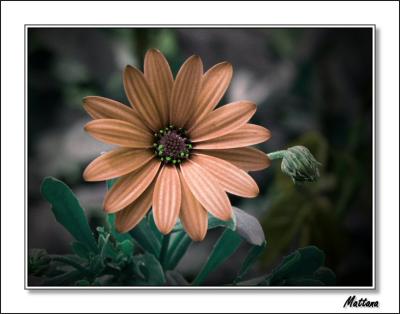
(227, 244)
(68, 211)
(109, 258)
(304, 267)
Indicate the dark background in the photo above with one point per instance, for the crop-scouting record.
(313, 87)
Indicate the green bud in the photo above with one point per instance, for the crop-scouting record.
(168, 158)
(300, 164)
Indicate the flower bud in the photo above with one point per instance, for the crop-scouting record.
(300, 164)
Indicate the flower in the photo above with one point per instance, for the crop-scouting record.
(176, 153)
(300, 164)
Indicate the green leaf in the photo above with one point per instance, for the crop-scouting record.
(251, 258)
(38, 262)
(175, 278)
(302, 281)
(213, 222)
(150, 221)
(299, 267)
(145, 238)
(82, 282)
(126, 247)
(65, 279)
(179, 244)
(111, 225)
(326, 276)
(68, 211)
(143, 234)
(81, 249)
(151, 268)
(226, 245)
(110, 183)
(73, 261)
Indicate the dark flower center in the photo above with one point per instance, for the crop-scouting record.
(171, 145)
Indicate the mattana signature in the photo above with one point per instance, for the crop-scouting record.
(363, 302)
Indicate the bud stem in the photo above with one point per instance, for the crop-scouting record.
(276, 155)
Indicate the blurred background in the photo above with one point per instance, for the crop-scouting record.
(313, 87)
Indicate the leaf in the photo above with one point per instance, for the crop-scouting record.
(243, 223)
(326, 276)
(126, 247)
(65, 279)
(68, 211)
(175, 278)
(144, 234)
(82, 282)
(226, 245)
(145, 238)
(251, 258)
(38, 262)
(179, 244)
(153, 227)
(81, 249)
(248, 227)
(111, 225)
(302, 281)
(299, 268)
(151, 269)
(308, 260)
(213, 222)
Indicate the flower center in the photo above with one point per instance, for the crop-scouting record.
(171, 145)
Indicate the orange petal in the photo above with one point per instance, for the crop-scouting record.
(246, 158)
(246, 135)
(207, 190)
(116, 163)
(104, 108)
(159, 76)
(119, 132)
(131, 215)
(139, 95)
(185, 91)
(193, 216)
(215, 82)
(129, 187)
(167, 199)
(222, 121)
(232, 179)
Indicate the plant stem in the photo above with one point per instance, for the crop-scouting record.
(276, 155)
(164, 250)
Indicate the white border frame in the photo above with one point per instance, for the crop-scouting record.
(204, 26)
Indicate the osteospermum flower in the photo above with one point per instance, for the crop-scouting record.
(176, 153)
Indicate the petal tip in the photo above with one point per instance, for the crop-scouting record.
(153, 51)
(198, 237)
